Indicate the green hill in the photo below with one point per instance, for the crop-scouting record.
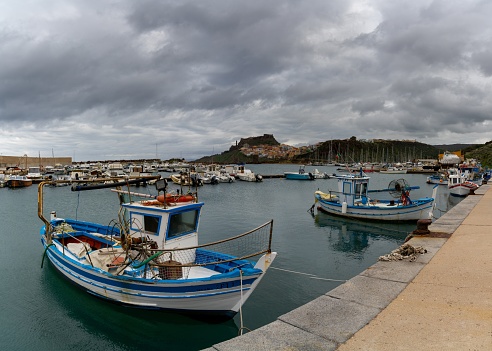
(234, 154)
(353, 150)
(454, 147)
(483, 153)
(376, 150)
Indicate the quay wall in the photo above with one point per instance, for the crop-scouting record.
(387, 307)
(25, 161)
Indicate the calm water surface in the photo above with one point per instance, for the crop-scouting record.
(42, 311)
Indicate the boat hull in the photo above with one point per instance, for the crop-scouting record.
(248, 177)
(16, 183)
(220, 295)
(419, 209)
(462, 189)
(298, 176)
(437, 180)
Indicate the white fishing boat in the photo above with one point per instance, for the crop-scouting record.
(150, 256)
(352, 199)
(459, 185)
(247, 175)
(34, 173)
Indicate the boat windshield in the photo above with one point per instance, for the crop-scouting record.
(182, 223)
(361, 189)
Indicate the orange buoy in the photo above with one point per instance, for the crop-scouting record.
(175, 198)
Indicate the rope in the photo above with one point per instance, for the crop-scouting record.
(240, 332)
(44, 254)
(403, 252)
(77, 208)
(441, 211)
(312, 276)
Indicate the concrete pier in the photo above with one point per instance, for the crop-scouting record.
(440, 301)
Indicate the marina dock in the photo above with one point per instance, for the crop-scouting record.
(440, 301)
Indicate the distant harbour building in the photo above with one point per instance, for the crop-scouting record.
(24, 162)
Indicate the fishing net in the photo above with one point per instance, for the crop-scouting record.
(223, 255)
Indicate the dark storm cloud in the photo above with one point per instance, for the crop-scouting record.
(111, 75)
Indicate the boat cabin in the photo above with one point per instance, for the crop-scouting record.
(352, 189)
(170, 227)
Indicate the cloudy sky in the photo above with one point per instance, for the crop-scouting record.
(98, 80)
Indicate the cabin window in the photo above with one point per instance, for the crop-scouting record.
(361, 189)
(151, 224)
(182, 223)
(347, 187)
(145, 223)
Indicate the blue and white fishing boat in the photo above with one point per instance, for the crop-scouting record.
(299, 175)
(150, 256)
(353, 200)
(438, 178)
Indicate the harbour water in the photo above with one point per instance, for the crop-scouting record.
(42, 311)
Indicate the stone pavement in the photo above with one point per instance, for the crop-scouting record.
(440, 301)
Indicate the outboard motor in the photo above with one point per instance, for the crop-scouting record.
(214, 180)
(258, 177)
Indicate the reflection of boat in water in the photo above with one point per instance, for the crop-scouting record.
(354, 236)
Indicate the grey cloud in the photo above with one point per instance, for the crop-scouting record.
(215, 71)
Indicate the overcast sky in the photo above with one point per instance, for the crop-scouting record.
(99, 80)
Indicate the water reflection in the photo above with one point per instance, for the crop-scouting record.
(453, 201)
(119, 327)
(355, 236)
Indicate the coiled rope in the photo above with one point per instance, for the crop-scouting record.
(405, 251)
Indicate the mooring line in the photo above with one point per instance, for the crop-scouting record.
(312, 276)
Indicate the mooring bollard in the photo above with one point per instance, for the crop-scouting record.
(422, 227)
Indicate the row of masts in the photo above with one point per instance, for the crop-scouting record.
(385, 155)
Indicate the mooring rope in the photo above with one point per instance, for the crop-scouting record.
(240, 332)
(45, 252)
(441, 211)
(312, 276)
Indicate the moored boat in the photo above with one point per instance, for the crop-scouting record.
(438, 178)
(299, 175)
(393, 170)
(247, 175)
(34, 173)
(150, 257)
(353, 200)
(18, 181)
(459, 185)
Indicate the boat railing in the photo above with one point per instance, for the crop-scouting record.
(241, 247)
(64, 232)
(79, 185)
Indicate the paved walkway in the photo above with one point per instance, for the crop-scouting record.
(441, 301)
(448, 306)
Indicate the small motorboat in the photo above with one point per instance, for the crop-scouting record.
(299, 175)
